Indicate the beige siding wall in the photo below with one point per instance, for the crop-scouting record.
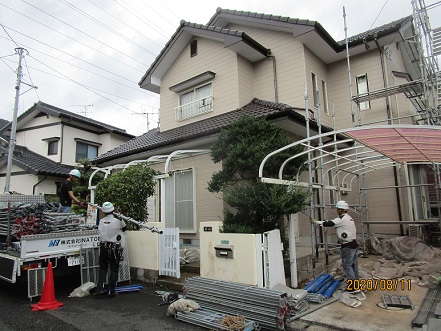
(245, 80)
(264, 80)
(400, 105)
(368, 63)
(319, 68)
(290, 66)
(212, 56)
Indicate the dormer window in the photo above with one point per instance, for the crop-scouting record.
(194, 48)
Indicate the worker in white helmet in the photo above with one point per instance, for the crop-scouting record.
(346, 233)
(66, 194)
(110, 229)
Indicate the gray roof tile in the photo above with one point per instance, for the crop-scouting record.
(384, 29)
(155, 139)
(55, 111)
(35, 163)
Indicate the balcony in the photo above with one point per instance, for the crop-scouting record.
(193, 109)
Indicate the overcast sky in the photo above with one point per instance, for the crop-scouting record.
(87, 56)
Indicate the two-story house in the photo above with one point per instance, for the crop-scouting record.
(50, 142)
(262, 65)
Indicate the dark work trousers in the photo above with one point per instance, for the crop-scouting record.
(110, 255)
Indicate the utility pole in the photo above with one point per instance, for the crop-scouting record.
(14, 120)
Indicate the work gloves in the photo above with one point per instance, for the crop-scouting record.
(314, 221)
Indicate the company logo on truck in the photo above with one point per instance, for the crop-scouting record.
(54, 243)
(71, 242)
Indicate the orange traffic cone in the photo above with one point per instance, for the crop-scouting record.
(47, 301)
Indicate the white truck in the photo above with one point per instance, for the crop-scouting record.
(26, 260)
(34, 251)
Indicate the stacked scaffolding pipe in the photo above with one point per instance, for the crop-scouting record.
(270, 308)
(211, 320)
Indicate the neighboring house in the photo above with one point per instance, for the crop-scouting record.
(49, 143)
(258, 64)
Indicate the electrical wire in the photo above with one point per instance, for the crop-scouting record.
(30, 78)
(377, 17)
(141, 19)
(82, 60)
(93, 19)
(121, 21)
(59, 32)
(90, 89)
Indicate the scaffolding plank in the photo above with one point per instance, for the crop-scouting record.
(420, 318)
(411, 89)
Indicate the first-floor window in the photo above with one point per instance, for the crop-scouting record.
(184, 200)
(85, 151)
(175, 200)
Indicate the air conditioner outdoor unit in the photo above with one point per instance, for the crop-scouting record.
(416, 230)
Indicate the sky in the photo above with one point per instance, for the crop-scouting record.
(88, 56)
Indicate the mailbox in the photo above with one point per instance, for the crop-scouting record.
(224, 251)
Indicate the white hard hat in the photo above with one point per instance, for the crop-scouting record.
(342, 205)
(75, 172)
(107, 207)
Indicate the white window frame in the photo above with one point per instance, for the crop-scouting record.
(194, 107)
(191, 200)
(361, 89)
(169, 209)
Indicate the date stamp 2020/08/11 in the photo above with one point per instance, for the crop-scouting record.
(378, 284)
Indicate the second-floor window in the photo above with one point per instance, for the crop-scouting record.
(85, 151)
(325, 97)
(52, 147)
(362, 88)
(315, 89)
(195, 102)
(194, 48)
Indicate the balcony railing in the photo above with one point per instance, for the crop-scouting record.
(195, 108)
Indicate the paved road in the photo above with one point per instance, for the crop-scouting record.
(136, 311)
(131, 311)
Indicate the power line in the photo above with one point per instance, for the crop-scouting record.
(121, 21)
(141, 19)
(85, 86)
(80, 59)
(67, 53)
(103, 25)
(59, 32)
(377, 16)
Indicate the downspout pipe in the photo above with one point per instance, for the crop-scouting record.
(276, 89)
(33, 187)
(385, 84)
(61, 142)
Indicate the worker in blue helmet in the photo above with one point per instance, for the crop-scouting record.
(347, 234)
(66, 194)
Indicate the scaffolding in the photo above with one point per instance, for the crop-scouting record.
(339, 161)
